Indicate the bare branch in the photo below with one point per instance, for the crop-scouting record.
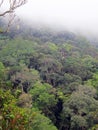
(1, 2)
(11, 18)
(6, 12)
(13, 4)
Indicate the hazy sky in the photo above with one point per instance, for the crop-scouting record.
(77, 14)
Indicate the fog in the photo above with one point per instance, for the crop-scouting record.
(79, 15)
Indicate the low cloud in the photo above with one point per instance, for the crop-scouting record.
(72, 14)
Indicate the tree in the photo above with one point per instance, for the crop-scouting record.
(13, 117)
(2, 74)
(12, 5)
(42, 123)
(25, 78)
(43, 96)
(79, 109)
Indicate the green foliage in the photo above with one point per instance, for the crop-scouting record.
(78, 122)
(24, 78)
(93, 81)
(42, 123)
(42, 96)
(79, 108)
(67, 47)
(2, 71)
(53, 47)
(16, 50)
(45, 71)
(12, 117)
(25, 100)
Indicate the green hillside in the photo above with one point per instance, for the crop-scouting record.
(48, 81)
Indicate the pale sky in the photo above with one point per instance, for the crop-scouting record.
(77, 14)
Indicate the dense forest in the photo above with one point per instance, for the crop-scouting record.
(48, 80)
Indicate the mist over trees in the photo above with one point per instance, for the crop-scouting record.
(48, 80)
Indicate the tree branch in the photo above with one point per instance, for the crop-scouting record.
(6, 12)
(14, 4)
(1, 2)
